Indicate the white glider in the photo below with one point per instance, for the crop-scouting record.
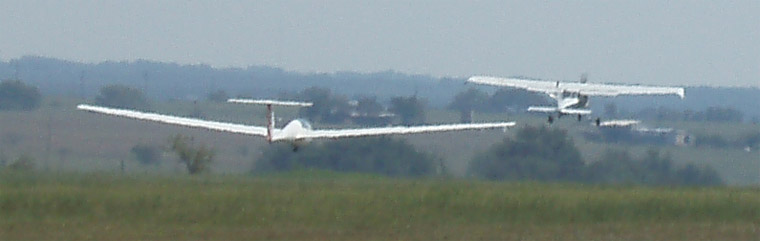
(295, 132)
(572, 97)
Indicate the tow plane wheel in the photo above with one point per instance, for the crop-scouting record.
(579, 117)
(598, 121)
(295, 148)
(550, 120)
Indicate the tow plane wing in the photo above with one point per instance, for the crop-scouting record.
(530, 85)
(588, 89)
(567, 111)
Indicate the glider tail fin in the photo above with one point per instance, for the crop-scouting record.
(270, 122)
(271, 102)
(270, 112)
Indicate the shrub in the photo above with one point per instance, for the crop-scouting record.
(654, 169)
(534, 154)
(15, 95)
(328, 107)
(411, 109)
(119, 96)
(380, 155)
(196, 159)
(22, 163)
(147, 154)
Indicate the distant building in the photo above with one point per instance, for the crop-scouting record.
(381, 118)
(630, 131)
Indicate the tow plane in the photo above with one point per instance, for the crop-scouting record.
(297, 132)
(573, 97)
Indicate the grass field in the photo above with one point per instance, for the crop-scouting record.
(315, 205)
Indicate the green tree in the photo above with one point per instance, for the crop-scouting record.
(369, 113)
(380, 155)
(327, 107)
(618, 167)
(536, 153)
(196, 159)
(338, 111)
(751, 139)
(120, 96)
(654, 169)
(369, 106)
(711, 140)
(147, 154)
(320, 97)
(23, 163)
(691, 175)
(720, 114)
(410, 109)
(515, 99)
(15, 95)
(614, 167)
(468, 101)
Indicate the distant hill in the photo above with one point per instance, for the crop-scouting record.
(172, 81)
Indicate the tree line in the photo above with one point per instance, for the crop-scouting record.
(164, 81)
(15, 95)
(539, 154)
(503, 100)
(544, 154)
(749, 139)
(533, 154)
(709, 114)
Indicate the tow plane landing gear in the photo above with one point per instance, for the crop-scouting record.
(550, 119)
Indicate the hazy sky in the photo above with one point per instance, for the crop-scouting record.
(648, 42)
